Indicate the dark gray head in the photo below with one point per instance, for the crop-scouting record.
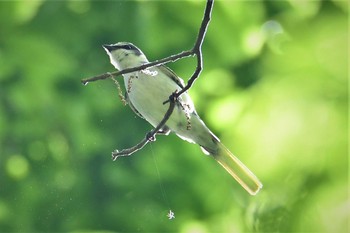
(125, 55)
(124, 46)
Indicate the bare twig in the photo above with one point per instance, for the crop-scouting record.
(163, 61)
(195, 51)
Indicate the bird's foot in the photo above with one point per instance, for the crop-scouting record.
(151, 136)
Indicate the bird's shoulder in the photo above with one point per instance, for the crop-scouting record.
(171, 74)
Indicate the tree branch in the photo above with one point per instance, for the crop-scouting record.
(163, 61)
(195, 51)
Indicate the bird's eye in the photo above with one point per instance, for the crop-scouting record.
(128, 47)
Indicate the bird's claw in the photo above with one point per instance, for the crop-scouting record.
(151, 137)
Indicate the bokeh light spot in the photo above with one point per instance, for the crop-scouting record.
(253, 41)
(17, 167)
(58, 146)
(79, 7)
(4, 211)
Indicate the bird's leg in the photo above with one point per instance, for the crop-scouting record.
(164, 131)
(151, 136)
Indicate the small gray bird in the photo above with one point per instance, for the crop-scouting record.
(146, 90)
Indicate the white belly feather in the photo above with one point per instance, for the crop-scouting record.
(147, 90)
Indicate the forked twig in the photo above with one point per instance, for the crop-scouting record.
(195, 51)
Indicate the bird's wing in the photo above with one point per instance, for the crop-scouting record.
(185, 100)
(132, 106)
(168, 72)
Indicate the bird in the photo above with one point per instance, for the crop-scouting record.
(146, 90)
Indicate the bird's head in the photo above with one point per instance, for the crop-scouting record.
(125, 55)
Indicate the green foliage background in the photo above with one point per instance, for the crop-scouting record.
(274, 89)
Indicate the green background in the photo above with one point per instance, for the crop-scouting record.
(274, 88)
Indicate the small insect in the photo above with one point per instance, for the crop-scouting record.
(171, 215)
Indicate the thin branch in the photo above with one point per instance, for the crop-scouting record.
(195, 51)
(163, 61)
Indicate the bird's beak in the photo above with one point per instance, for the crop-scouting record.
(107, 47)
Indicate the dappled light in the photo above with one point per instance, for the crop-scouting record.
(274, 89)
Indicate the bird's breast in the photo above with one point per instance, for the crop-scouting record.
(147, 90)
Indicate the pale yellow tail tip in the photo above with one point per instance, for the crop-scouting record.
(237, 170)
(246, 178)
(253, 191)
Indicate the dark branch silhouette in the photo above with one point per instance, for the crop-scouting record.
(195, 51)
(150, 136)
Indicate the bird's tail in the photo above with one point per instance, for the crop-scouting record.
(235, 167)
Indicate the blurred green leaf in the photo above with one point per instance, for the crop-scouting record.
(274, 89)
